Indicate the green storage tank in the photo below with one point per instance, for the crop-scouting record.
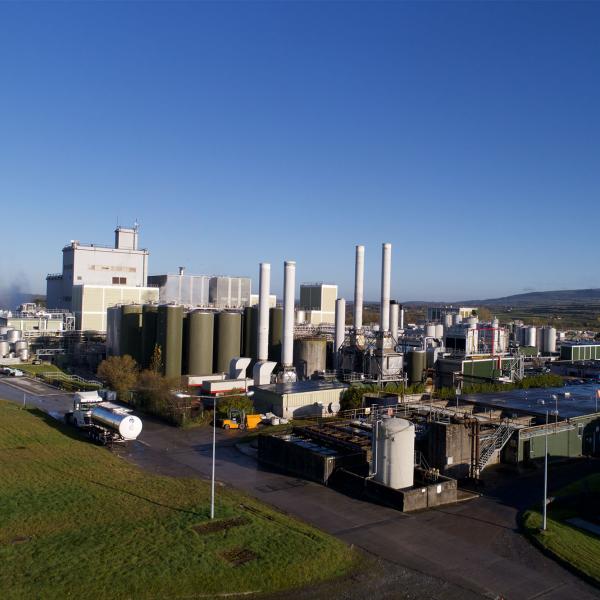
(199, 347)
(169, 338)
(275, 333)
(417, 361)
(131, 331)
(250, 332)
(149, 318)
(228, 338)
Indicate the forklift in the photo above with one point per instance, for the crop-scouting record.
(238, 419)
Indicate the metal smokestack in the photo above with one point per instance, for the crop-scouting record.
(359, 281)
(386, 275)
(340, 325)
(289, 288)
(263, 311)
(394, 315)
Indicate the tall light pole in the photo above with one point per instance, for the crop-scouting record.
(214, 447)
(544, 520)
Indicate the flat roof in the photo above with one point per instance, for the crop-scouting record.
(581, 400)
(298, 387)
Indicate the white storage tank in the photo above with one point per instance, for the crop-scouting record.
(549, 340)
(300, 317)
(13, 335)
(472, 321)
(430, 330)
(21, 345)
(23, 354)
(3, 330)
(439, 332)
(4, 349)
(447, 320)
(456, 319)
(393, 462)
(530, 336)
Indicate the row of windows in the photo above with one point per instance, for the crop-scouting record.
(116, 269)
(119, 280)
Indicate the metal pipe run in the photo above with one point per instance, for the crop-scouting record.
(394, 316)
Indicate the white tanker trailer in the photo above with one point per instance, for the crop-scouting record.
(104, 422)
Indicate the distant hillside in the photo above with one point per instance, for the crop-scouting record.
(551, 298)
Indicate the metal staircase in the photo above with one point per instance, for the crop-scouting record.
(493, 443)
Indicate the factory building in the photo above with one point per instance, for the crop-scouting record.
(203, 290)
(453, 371)
(122, 264)
(95, 277)
(437, 314)
(317, 300)
(272, 301)
(299, 399)
(574, 351)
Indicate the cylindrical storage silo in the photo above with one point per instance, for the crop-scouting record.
(113, 331)
(3, 330)
(4, 349)
(439, 332)
(448, 320)
(472, 321)
(21, 345)
(550, 340)
(530, 336)
(250, 338)
(131, 331)
(169, 337)
(23, 354)
(275, 333)
(539, 341)
(310, 356)
(430, 330)
(456, 319)
(13, 335)
(200, 343)
(393, 453)
(417, 362)
(227, 339)
(300, 317)
(149, 327)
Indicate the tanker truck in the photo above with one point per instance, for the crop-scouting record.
(104, 422)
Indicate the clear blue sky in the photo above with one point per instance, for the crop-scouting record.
(467, 134)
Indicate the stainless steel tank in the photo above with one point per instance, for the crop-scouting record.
(23, 354)
(13, 335)
(4, 349)
(126, 425)
(21, 345)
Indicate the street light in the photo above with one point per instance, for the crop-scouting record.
(544, 522)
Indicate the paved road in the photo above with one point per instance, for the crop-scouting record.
(468, 550)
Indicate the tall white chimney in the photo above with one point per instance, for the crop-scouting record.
(394, 316)
(386, 275)
(263, 311)
(359, 281)
(340, 324)
(289, 289)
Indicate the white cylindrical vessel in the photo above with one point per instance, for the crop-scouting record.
(447, 321)
(386, 277)
(21, 345)
(394, 317)
(550, 340)
(263, 311)
(289, 287)
(402, 319)
(4, 349)
(359, 280)
(13, 335)
(393, 462)
(530, 336)
(127, 426)
(300, 317)
(456, 319)
(23, 354)
(340, 323)
(439, 331)
(430, 330)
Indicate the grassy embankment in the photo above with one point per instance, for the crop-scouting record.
(51, 369)
(76, 521)
(578, 548)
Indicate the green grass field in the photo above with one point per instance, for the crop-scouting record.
(37, 369)
(78, 522)
(574, 546)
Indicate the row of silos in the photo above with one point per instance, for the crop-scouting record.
(542, 338)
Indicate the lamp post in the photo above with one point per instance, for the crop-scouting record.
(544, 520)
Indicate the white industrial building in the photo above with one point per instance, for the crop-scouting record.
(95, 277)
(317, 300)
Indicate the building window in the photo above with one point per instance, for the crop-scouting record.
(78, 277)
(119, 280)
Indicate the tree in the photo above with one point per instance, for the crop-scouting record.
(236, 402)
(120, 373)
(156, 363)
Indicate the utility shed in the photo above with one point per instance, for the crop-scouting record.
(299, 399)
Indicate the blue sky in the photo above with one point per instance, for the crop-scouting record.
(467, 134)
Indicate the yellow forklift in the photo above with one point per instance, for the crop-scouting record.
(238, 419)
